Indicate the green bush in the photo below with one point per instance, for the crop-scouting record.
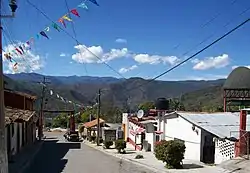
(108, 144)
(170, 152)
(120, 145)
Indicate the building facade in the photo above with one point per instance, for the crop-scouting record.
(20, 121)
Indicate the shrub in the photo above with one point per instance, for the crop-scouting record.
(108, 144)
(139, 156)
(120, 145)
(100, 140)
(170, 152)
(92, 138)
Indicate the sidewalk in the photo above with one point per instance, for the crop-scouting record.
(23, 159)
(149, 161)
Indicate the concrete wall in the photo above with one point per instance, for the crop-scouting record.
(16, 144)
(224, 150)
(178, 128)
(134, 139)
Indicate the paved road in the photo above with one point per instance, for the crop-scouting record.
(58, 156)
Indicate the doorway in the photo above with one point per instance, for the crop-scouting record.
(208, 148)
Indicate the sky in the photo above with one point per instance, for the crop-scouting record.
(128, 38)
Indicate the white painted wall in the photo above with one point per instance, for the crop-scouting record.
(150, 137)
(182, 129)
(133, 127)
(14, 139)
(224, 150)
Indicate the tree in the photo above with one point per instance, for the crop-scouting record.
(146, 106)
(175, 104)
(61, 121)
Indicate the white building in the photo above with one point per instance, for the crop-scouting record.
(205, 134)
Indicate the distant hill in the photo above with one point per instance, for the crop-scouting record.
(65, 80)
(118, 92)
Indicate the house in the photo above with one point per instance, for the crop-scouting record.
(108, 131)
(112, 131)
(20, 121)
(140, 132)
(208, 137)
(90, 128)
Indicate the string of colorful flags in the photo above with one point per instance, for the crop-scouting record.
(22, 49)
(64, 99)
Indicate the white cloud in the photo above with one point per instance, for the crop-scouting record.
(87, 55)
(63, 55)
(204, 77)
(121, 40)
(28, 62)
(95, 54)
(155, 59)
(235, 66)
(125, 70)
(212, 62)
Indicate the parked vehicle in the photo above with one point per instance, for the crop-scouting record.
(72, 136)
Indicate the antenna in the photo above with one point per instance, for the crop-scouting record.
(140, 113)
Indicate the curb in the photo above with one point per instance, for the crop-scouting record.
(29, 161)
(128, 160)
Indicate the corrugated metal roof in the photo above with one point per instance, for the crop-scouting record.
(220, 124)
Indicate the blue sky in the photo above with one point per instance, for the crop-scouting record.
(138, 38)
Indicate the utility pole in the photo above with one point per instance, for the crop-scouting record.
(3, 147)
(98, 117)
(40, 127)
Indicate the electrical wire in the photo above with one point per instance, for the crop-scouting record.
(195, 54)
(228, 33)
(210, 21)
(67, 33)
(74, 31)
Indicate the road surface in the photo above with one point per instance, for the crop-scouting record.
(58, 156)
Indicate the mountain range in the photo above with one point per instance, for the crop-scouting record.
(118, 92)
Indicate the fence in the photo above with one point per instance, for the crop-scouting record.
(242, 144)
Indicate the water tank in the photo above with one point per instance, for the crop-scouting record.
(162, 104)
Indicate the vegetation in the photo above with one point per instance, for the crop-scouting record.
(170, 152)
(146, 106)
(117, 98)
(60, 121)
(120, 145)
(108, 144)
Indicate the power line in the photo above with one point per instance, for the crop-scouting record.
(67, 33)
(74, 31)
(195, 54)
(210, 21)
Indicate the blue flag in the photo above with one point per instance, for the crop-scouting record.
(94, 2)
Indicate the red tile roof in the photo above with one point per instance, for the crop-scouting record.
(93, 123)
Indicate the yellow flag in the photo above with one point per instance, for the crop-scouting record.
(66, 18)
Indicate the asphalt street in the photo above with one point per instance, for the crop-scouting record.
(58, 156)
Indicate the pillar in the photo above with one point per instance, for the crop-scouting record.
(225, 101)
(241, 145)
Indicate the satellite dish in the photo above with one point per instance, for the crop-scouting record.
(140, 113)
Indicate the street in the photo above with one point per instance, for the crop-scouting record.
(57, 156)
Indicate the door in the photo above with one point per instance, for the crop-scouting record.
(208, 150)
